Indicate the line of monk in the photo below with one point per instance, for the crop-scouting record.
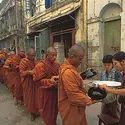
(31, 82)
(46, 87)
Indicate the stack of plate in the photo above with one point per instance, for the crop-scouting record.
(108, 83)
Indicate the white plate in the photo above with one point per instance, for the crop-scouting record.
(108, 83)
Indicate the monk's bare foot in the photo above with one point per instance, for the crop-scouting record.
(16, 102)
(20, 102)
(12, 97)
(32, 117)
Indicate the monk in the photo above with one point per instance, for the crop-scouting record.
(45, 74)
(16, 75)
(29, 89)
(72, 99)
(9, 74)
(2, 61)
(4, 53)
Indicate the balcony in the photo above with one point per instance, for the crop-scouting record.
(59, 8)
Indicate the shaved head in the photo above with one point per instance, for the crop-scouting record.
(4, 50)
(76, 55)
(51, 50)
(20, 49)
(31, 51)
(76, 50)
(21, 52)
(12, 53)
(31, 54)
(51, 54)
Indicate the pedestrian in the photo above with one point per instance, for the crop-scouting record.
(110, 104)
(43, 54)
(29, 89)
(72, 99)
(119, 64)
(45, 74)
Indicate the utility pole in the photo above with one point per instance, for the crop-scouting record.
(16, 23)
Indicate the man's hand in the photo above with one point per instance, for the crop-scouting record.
(105, 87)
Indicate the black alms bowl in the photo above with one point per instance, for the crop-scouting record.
(95, 93)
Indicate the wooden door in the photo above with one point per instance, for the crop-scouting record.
(112, 37)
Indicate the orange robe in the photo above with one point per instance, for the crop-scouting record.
(29, 87)
(71, 97)
(16, 77)
(10, 75)
(48, 104)
(1, 69)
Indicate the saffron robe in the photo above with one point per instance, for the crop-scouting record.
(16, 77)
(47, 96)
(2, 71)
(72, 100)
(10, 75)
(29, 88)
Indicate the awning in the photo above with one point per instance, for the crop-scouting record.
(34, 33)
(57, 17)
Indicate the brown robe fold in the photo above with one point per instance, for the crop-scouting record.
(2, 70)
(72, 100)
(47, 95)
(29, 87)
(10, 75)
(17, 79)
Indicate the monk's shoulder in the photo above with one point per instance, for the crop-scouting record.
(39, 64)
(56, 63)
(68, 72)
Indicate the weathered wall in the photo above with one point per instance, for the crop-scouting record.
(123, 26)
(97, 5)
(96, 29)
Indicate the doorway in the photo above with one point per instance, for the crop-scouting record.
(112, 37)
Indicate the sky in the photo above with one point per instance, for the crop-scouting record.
(0, 1)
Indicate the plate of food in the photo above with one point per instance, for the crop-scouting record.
(108, 83)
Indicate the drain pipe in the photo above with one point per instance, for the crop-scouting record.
(87, 32)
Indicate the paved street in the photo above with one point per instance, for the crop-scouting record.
(17, 115)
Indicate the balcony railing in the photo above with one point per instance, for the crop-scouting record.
(40, 8)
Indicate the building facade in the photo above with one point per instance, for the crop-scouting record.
(58, 23)
(12, 26)
(106, 29)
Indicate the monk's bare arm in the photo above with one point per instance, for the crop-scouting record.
(75, 94)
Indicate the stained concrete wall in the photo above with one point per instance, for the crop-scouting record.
(95, 27)
(123, 26)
